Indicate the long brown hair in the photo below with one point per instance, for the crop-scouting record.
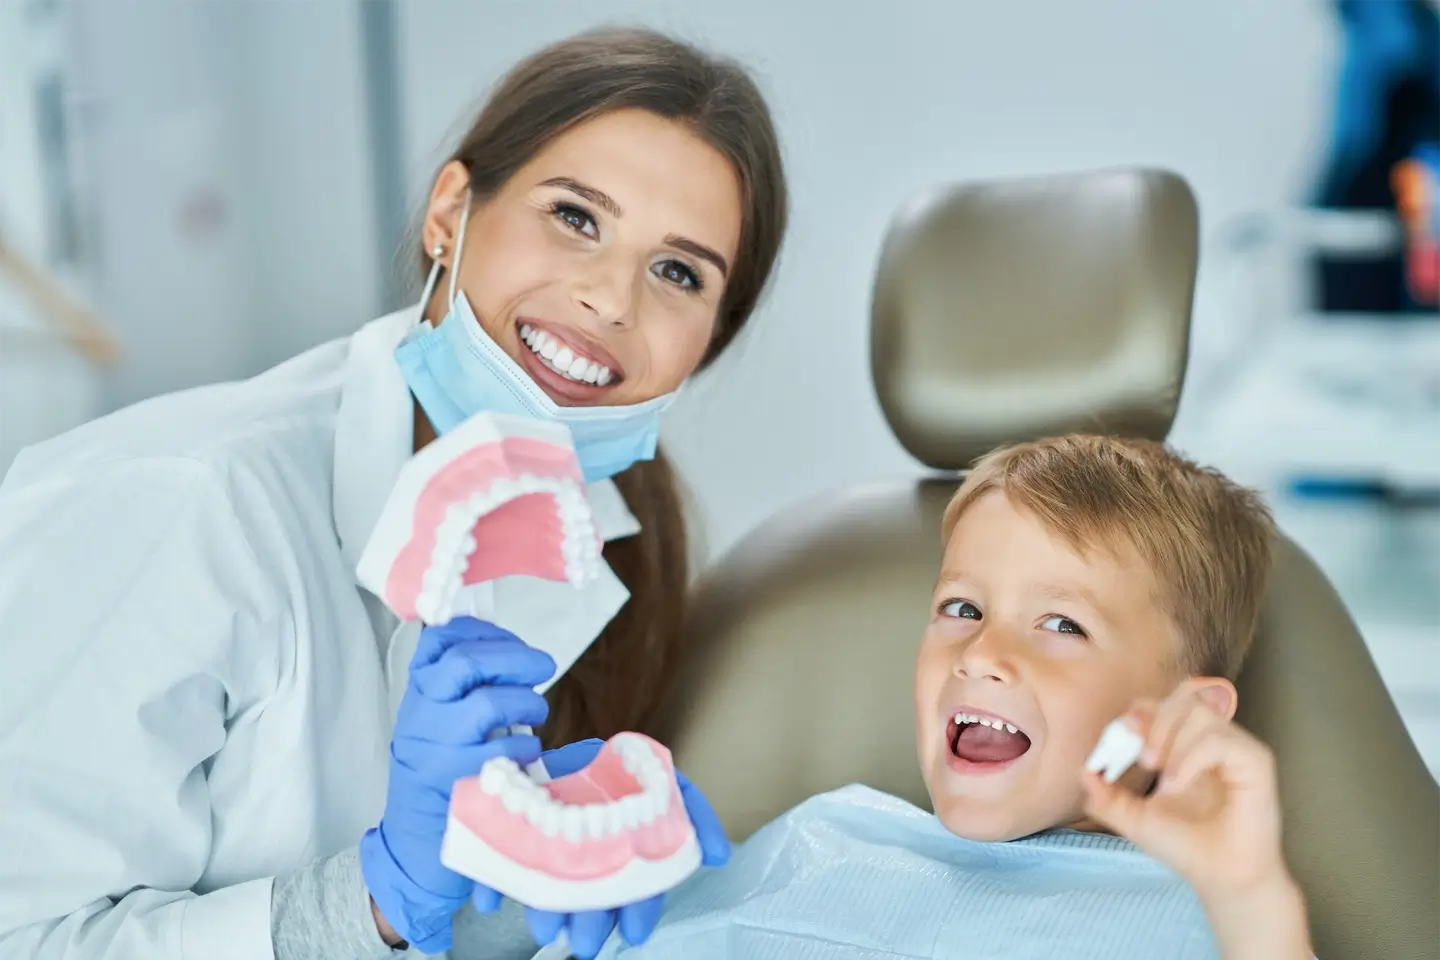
(619, 682)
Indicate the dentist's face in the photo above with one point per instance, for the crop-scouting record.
(601, 265)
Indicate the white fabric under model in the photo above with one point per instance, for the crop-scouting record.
(521, 795)
(1117, 751)
(455, 541)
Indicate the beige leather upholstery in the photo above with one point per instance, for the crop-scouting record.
(1034, 307)
(805, 633)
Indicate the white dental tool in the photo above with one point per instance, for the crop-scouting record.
(1117, 751)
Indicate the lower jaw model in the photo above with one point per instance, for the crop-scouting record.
(614, 833)
(497, 496)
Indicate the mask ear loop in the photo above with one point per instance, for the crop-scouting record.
(436, 266)
(459, 246)
(425, 295)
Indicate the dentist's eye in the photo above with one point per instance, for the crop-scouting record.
(961, 610)
(1063, 625)
(673, 271)
(575, 218)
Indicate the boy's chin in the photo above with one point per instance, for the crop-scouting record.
(989, 819)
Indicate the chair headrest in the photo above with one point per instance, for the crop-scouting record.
(1012, 310)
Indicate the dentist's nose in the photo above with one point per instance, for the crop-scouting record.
(989, 655)
(606, 291)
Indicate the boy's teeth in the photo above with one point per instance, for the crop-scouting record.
(562, 359)
(963, 718)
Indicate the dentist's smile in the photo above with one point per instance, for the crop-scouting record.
(573, 370)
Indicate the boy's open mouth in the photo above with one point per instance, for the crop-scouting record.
(985, 739)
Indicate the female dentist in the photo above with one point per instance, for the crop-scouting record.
(213, 742)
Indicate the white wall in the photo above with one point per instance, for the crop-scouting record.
(256, 111)
(876, 100)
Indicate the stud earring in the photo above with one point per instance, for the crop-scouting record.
(437, 251)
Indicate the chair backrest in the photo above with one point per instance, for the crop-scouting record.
(1005, 312)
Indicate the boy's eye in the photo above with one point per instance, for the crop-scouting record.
(1062, 625)
(961, 609)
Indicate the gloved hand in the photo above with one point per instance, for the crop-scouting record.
(466, 678)
(588, 931)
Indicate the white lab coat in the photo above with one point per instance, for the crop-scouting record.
(195, 695)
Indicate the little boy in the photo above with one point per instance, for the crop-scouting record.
(1084, 578)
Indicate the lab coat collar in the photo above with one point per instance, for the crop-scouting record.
(375, 435)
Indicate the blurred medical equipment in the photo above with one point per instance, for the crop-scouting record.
(1276, 384)
(1386, 105)
(1005, 311)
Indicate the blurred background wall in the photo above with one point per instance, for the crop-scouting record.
(229, 182)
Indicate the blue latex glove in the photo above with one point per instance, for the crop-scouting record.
(467, 678)
(588, 931)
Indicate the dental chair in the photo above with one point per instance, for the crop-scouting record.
(1003, 312)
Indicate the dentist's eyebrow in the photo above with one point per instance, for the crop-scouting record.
(600, 198)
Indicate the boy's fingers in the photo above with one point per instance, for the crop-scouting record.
(1237, 755)
(1113, 805)
(1192, 728)
(1205, 754)
(1168, 718)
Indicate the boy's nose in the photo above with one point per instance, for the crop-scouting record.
(988, 656)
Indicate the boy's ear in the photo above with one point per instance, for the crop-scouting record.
(1219, 695)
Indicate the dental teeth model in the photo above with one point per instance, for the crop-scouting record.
(613, 833)
(496, 496)
(1117, 751)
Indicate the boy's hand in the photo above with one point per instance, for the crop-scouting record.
(1214, 816)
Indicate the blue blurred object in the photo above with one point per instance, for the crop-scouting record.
(1387, 104)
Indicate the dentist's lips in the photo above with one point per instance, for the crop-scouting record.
(577, 372)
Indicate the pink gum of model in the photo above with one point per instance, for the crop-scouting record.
(509, 853)
(522, 536)
(497, 496)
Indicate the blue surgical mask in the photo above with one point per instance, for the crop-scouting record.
(456, 370)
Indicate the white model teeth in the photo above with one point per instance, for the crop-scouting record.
(964, 718)
(455, 540)
(520, 795)
(563, 359)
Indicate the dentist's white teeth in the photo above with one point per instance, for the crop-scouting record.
(595, 819)
(572, 824)
(564, 360)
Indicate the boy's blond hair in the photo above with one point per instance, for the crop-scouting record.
(1206, 539)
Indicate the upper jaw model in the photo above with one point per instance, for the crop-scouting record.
(497, 496)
